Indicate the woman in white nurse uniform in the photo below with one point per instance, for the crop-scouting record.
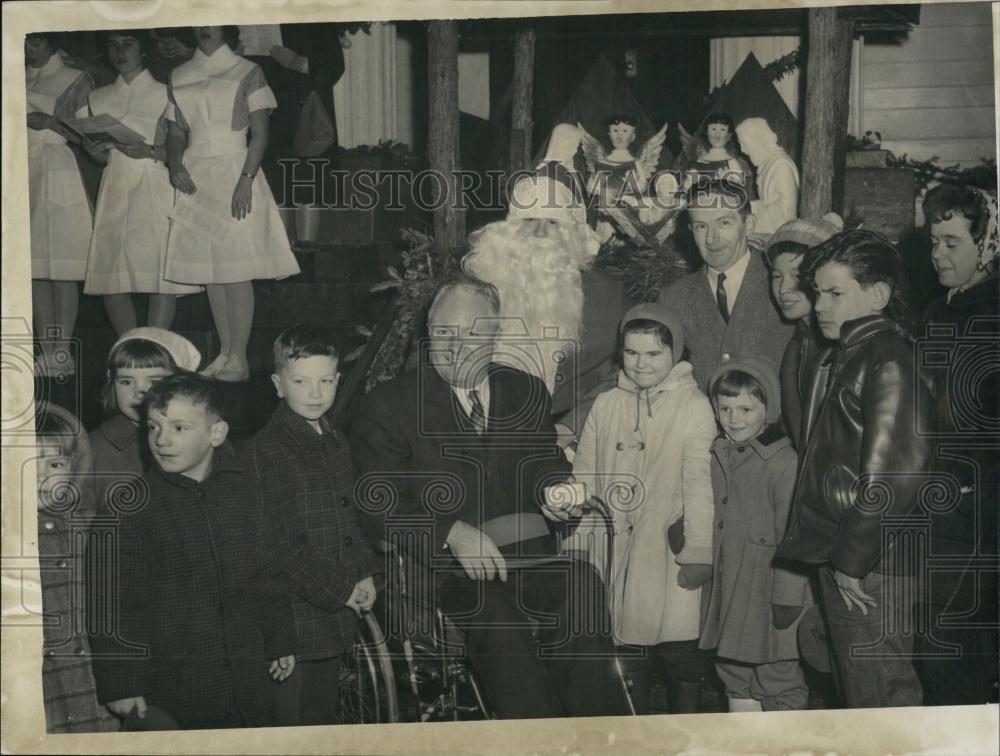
(225, 229)
(129, 245)
(60, 211)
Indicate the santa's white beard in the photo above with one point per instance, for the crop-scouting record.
(541, 292)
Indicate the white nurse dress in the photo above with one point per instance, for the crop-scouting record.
(60, 210)
(128, 250)
(211, 99)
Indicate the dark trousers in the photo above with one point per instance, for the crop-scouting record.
(679, 664)
(568, 670)
(958, 654)
(230, 721)
(873, 653)
(309, 696)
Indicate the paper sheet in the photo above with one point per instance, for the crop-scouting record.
(260, 38)
(205, 214)
(102, 128)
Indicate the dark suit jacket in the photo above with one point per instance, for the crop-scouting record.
(422, 467)
(755, 328)
(591, 370)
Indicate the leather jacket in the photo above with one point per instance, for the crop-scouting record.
(865, 460)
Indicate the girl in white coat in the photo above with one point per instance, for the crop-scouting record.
(645, 451)
(129, 246)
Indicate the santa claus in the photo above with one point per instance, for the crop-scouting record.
(559, 315)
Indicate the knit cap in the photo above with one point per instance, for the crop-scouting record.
(658, 313)
(185, 354)
(761, 369)
(810, 233)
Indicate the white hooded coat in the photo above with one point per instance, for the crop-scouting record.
(646, 453)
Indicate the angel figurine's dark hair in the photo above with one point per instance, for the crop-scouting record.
(622, 118)
(732, 146)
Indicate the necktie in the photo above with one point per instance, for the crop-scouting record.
(720, 297)
(478, 415)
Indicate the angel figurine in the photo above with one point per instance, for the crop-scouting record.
(713, 152)
(618, 178)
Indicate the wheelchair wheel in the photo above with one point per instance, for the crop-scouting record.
(367, 683)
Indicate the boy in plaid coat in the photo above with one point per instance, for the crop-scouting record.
(306, 477)
(203, 624)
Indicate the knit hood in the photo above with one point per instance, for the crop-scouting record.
(658, 313)
(765, 374)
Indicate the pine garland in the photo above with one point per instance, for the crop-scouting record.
(786, 65)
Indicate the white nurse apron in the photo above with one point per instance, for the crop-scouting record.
(60, 211)
(207, 245)
(128, 250)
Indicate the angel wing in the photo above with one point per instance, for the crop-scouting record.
(593, 150)
(691, 149)
(649, 155)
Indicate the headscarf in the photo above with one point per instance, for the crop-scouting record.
(989, 243)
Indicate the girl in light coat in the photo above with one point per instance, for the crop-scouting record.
(645, 452)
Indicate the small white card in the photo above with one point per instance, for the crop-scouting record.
(566, 495)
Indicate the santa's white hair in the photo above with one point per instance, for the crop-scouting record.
(535, 264)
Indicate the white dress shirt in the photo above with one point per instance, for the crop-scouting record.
(484, 396)
(734, 279)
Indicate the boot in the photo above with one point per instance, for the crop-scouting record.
(685, 696)
(744, 704)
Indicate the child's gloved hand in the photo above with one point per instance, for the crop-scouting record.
(694, 576)
(784, 615)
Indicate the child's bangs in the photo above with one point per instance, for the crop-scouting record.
(138, 354)
(735, 383)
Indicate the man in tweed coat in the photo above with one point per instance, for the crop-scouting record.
(306, 478)
(726, 307)
(203, 624)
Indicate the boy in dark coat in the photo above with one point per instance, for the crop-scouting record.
(306, 478)
(203, 624)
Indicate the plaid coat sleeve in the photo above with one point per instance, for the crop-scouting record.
(320, 577)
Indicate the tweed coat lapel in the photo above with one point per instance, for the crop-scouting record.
(753, 296)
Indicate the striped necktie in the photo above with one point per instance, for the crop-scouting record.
(720, 297)
(478, 414)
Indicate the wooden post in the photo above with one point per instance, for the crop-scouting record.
(828, 85)
(449, 218)
(523, 99)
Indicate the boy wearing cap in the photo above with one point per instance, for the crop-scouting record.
(645, 452)
(755, 604)
(806, 362)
